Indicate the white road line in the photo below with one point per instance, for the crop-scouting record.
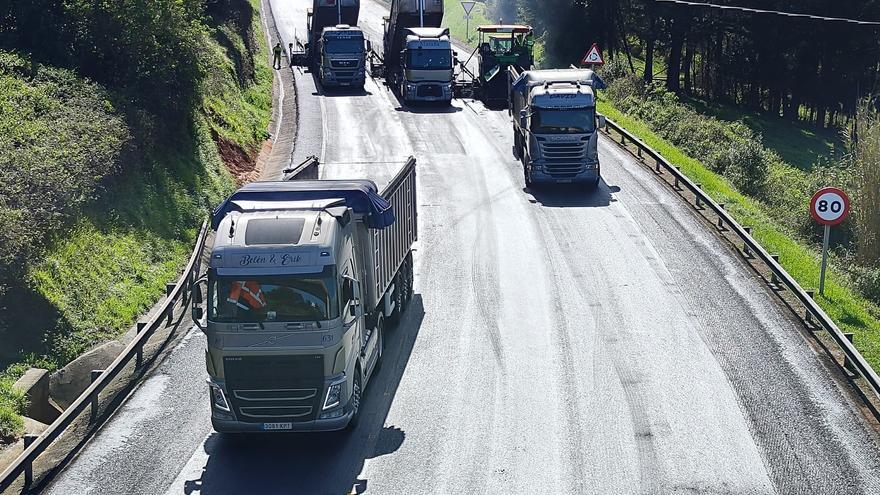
(189, 481)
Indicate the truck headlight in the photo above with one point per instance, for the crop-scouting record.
(334, 393)
(218, 398)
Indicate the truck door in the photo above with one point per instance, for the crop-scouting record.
(351, 320)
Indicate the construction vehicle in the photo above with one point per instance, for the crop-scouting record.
(417, 59)
(500, 46)
(303, 280)
(336, 48)
(555, 125)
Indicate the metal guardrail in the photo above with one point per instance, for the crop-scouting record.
(134, 350)
(813, 312)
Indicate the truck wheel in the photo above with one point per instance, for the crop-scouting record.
(527, 176)
(356, 395)
(517, 148)
(409, 278)
(399, 298)
(380, 328)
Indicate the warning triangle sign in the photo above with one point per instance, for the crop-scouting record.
(593, 56)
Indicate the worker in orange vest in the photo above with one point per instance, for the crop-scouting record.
(250, 291)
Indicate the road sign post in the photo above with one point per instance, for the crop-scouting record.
(829, 206)
(468, 7)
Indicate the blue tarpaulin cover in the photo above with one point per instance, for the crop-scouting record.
(360, 195)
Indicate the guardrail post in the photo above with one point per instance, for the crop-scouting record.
(773, 278)
(720, 218)
(747, 251)
(677, 186)
(139, 357)
(847, 364)
(94, 376)
(29, 467)
(808, 316)
(169, 288)
(698, 201)
(623, 139)
(639, 152)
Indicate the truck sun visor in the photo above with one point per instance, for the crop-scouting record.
(359, 195)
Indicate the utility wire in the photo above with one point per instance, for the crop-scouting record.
(775, 12)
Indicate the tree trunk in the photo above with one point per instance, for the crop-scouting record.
(687, 65)
(649, 59)
(673, 69)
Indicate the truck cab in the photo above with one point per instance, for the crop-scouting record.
(427, 63)
(303, 276)
(555, 125)
(342, 56)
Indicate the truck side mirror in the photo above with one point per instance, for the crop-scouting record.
(602, 123)
(369, 46)
(523, 118)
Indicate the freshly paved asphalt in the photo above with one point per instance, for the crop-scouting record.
(560, 342)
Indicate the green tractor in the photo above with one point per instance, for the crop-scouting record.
(501, 46)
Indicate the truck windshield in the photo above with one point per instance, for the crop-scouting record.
(344, 45)
(578, 121)
(433, 58)
(306, 297)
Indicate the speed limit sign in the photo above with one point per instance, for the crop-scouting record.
(829, 206)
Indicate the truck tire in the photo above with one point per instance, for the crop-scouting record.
(517, 146)
(527, 177)
(380, 328)
(356, 395)
(399, 297)
(409, 278)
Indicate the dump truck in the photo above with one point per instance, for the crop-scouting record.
(336, 48)
(555, 125)
(417, 59)
(303, 280)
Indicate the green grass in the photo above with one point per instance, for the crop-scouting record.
(453, 18)
(851, 312)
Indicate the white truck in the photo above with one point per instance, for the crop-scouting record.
(417, 57)
(555, 125)
(303, 280)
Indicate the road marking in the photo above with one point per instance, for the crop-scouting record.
(189, 481)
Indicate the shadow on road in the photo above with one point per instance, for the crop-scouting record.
(572, 195)
(316, 462)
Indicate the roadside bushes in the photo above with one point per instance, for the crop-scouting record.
(59, 138)
(730, 149)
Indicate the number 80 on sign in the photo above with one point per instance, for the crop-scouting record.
(829, 206)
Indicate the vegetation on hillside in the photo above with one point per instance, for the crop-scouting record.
(801, 69)
(115, 120)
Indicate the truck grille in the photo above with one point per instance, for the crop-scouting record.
(429, 90)
(275, 388)
(564, 159)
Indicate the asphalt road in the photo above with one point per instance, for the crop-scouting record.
(560, 342)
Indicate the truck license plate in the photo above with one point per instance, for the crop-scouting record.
(277, 426)
(564, 181)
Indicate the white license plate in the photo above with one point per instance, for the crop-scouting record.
(277, 426)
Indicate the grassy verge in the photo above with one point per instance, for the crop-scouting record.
(453, 18)
(99, 274)
(850, 311)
